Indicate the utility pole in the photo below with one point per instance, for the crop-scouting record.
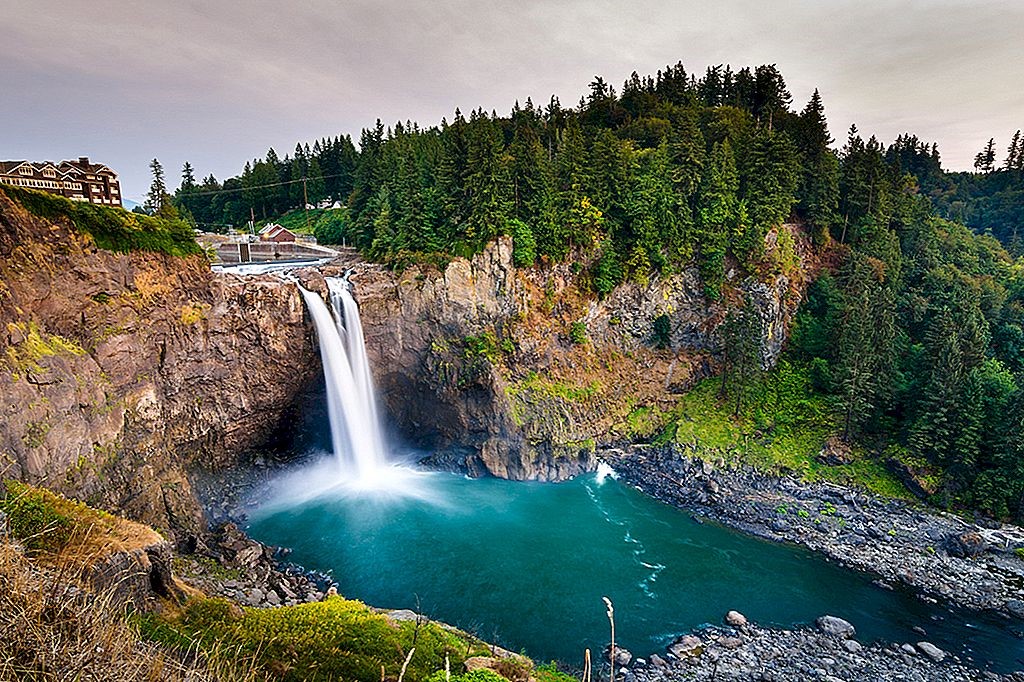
(305, 202)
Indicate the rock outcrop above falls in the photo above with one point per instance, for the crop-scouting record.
(120, 370)
(522, 373)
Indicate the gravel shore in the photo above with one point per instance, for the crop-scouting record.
(940, 556)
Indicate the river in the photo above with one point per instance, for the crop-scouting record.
(526, 565)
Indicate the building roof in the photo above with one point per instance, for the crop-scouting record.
(8, 166)
(276, 230)
(65, 168)
(83, 165)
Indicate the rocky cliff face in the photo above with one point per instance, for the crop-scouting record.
(523, 373)
(119, 371)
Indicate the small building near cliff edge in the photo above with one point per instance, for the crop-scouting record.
(275, 233)
(78, 180)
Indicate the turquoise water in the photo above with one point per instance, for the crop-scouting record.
(526, 565)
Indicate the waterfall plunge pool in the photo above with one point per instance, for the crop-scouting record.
(526, 565)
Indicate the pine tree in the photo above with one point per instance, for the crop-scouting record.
(770, 181)
(1015, 153)
(607, 269)
(488, 186)
(865, 183)
(866, 344)
(686, 153)
(188, 177)
(451, 182)
(985, 160)
(157, 189)
(717, 215)
(741, 350)
(316, 188)
(818, 188)
(659, 227)
(611, 165)
(184, 194)
(934, 433)
(532, 184)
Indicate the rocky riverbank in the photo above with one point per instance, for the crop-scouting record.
(940, 556)
(826, 652)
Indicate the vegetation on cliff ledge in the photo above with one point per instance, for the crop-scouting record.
(58, 530)
(113, 229)
(785, 427)
(329, 640)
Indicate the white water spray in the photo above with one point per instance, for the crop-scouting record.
(351, 403)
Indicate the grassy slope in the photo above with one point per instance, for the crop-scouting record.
(334, 639)
(295, 220)
(782, 429)
(58, 530)
(113, 229)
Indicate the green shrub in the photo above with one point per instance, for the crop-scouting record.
(336, 639)
(1020, 553)
(578, 333)
(524, 244)
(550, 673)
(483, 345)
(479, 675)
(113, 229)
(33, 519)
(662, 331)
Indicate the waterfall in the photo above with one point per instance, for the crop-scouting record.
(351, 402)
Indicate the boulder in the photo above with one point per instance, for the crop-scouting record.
(402, 615)
(657, 661)
(686, 646)
(621, 658)
(836, 627)
(479, 663)
(853, 646)
(835, 452)
(1015, 607)
(730, 642)
(931, 651)
(254, 597)
(735, 619)
(965, 545)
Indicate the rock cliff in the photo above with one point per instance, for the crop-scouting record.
(121, 370)
(523, 373)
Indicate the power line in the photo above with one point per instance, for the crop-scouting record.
(243, 189)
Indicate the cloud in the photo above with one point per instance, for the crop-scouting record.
(217, 82)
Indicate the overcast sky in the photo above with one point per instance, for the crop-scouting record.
(216, 82)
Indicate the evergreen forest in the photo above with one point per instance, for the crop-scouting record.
(915, 331)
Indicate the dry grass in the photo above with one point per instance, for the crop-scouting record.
(53, 630)
(67, 532)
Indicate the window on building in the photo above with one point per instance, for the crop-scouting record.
(25, 170)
